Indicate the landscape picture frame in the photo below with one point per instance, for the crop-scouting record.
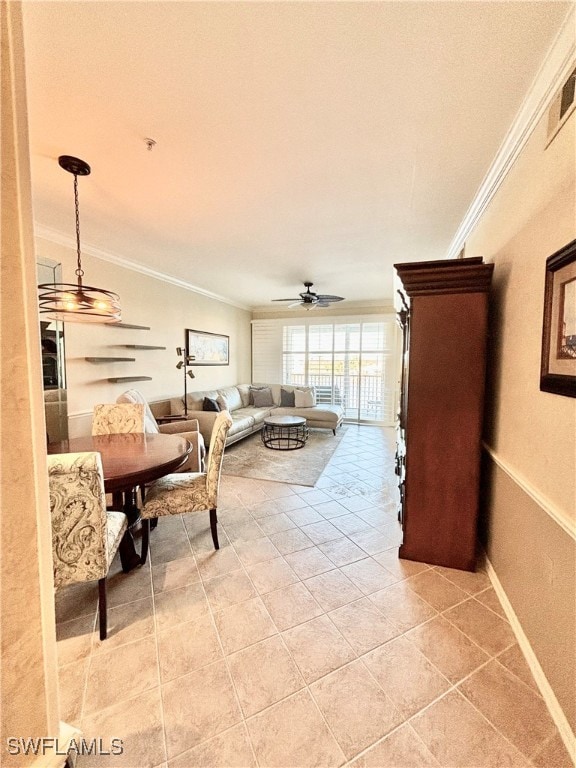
(558, 361)
(207, 348)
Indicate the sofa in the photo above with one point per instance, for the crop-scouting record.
(241, 401)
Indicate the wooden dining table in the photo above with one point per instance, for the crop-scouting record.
(129, 461)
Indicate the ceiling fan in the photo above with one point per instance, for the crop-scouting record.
(311, 300)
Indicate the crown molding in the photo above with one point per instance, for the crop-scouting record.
(550, 77)
(59, 238)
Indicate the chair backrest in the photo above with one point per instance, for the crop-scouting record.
(216, 454)
(114, 418)
(134, 396)
(78, 508)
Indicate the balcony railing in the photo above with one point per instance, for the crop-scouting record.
(364, 397)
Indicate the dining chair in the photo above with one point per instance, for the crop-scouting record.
(85, 535)
(181, 493)
(118, 418)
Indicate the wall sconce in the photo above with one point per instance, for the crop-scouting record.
(184, 363)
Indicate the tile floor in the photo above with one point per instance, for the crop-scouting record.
(304, 641)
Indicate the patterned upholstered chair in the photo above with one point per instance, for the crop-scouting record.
(177, 494)
(115, 418)
(85, 536)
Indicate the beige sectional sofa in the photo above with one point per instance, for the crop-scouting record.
(248, 418)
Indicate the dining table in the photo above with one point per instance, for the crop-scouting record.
(129, 461)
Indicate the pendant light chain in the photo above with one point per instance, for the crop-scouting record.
(79, 271)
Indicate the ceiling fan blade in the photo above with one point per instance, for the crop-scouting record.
(326, 297)
(294, 299)
(297, 303)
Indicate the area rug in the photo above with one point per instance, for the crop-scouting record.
(250, 458)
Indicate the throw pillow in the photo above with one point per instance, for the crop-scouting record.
(303, 398)
(210, 405)
(252, 390)
(287, 398)
(263, 398)
(222, 403)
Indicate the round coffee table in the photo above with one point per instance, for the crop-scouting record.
(284, 433)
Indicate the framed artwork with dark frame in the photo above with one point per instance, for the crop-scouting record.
(558, 366)
(207, 348)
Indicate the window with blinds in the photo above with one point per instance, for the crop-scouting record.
(349, 363)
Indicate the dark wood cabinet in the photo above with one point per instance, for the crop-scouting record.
(443, 316)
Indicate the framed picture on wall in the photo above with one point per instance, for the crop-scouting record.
(208, 348)
(558, 364)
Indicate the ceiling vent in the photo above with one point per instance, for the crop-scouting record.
(562, 107)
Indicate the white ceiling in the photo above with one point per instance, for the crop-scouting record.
(295, 141)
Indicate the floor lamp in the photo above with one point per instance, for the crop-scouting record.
(185, 362)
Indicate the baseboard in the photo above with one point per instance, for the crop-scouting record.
(556, 711)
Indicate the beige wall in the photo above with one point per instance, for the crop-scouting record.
(531, 435)
(168, 309)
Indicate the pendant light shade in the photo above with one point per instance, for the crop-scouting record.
(76, 302)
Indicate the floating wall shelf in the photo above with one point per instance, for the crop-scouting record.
(141, 346)
(110, 359)
(117, 379)
(128, 325)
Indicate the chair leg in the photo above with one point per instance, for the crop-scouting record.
(145, 539)
(102, 610)
(214, 528)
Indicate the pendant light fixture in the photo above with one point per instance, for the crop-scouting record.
(76, 302)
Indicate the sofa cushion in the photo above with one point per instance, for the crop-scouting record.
(287, 399)
(232, 397)
(304, 398)
(244, 391)
(210, 404)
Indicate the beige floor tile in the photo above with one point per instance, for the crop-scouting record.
(318, 648)
(169, 526)
(197, 707)
(276, 524)
(271, 575)
(514, 661)
(126, 587)
(489, 598)
(358, 712)
(256, 551)
(274, 490)
(227, 590)
(488, 630)
(243, 625)
(264, 674)
(406, 675)
(351, 523)
(440, 593)
(291, 605)
(402, 569)
(401, 749)
(186, 647)
(230, 749)
(459, 737)
(290, 541)
(179, 605)
(74, 639)
(293, 733)
(217, 562)
(357, 504)
(72, 679)
(447, 648)
(165, 550)
(263, 509)
(333, 589)
(76, 600)
(138, 722)
(177, 573)
(372, 541)
(304, 516)
(290, 503)
(514, 709)
(314, 496)
(249, 530)
(342, 551)
(402, 607)
(308, 562)
(330, 509)
(121, 673)
(322, 531)
(368, 575)
(553, 754)
(126, 623)
(363, 625)
(202, 544)
(469, 581)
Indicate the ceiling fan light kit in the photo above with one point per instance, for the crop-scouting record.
(76, 302)
(311, 300)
